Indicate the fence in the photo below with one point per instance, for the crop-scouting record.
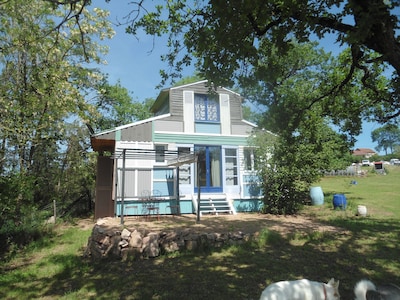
(349, 171)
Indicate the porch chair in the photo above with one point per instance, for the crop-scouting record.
(153, 207)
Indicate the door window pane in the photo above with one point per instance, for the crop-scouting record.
(209, 162)
(231, 167)
(215, 166)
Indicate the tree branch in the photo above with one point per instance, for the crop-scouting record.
(261, 31)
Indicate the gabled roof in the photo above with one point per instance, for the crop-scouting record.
(130, 125)
(363, 151)
(163, 96)
(105, 140)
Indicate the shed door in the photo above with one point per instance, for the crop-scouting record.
(104, 180)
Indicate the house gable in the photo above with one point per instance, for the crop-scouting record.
(181, 107)
(174, 114)
(363, 152)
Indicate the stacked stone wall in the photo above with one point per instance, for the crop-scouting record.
(138, 243)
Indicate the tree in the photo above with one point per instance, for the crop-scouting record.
(75, 178)
(115, 106)
(290, 85)
(45, 80)
(250, 114)
(43, 75)
(387, 137)
(226, 40)
(305, 145)
(188, 80)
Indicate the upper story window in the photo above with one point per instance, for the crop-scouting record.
(160, 153)
(206, 108)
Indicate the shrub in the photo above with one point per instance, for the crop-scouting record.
(284, 191)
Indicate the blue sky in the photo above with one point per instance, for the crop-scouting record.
(136, 62)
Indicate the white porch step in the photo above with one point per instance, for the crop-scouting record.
(214, 204)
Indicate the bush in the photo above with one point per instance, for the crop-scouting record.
(284, 191)
(20, 221)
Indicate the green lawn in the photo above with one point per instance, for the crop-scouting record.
(365, 247)
(380, 193)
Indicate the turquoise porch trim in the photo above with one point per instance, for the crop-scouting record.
(136, 208)
(166, 207)
(118, 135)
(182, 138)
(248, 205)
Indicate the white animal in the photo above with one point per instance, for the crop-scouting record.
(366, 290)
(302, 289)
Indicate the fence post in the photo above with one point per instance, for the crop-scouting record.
(54, 210)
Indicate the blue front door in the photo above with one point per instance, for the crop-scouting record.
(210, 175)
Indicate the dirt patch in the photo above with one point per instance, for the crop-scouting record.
(245, 222)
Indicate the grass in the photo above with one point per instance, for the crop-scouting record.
(364, 247)
(380, 193)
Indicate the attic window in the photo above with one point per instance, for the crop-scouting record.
(206, 108)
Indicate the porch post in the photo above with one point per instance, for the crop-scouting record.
(178, 196)
(115, 183)
(123, 186)
(198, 188)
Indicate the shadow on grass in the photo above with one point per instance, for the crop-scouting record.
(367, 249)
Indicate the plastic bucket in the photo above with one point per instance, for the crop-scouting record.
(317, 196)
(339, 201)
(362, 210)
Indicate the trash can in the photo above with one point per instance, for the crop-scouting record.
(317, 195)
(339, 201)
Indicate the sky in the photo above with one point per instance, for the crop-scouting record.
(135, 63)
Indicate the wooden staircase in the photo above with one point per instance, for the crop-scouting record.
(213, 204)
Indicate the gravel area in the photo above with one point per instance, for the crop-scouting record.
(245, 222)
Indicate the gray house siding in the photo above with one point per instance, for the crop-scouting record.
(168, 124)
(142, 132)
(242, 129)
(236, 109)
(176, 104)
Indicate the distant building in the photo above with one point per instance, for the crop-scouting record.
(364, 152)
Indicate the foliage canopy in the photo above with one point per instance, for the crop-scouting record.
(226, 41)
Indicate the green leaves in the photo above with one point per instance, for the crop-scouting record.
(44, 86)
(226, 42)
(387, 137)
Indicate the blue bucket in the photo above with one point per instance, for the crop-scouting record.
(339, 201)
(317, 196)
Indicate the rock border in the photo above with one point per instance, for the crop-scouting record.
(110, 242)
